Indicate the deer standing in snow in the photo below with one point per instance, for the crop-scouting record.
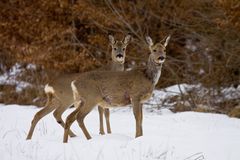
(114, 88)
(59, 93)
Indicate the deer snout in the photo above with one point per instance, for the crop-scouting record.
(119, 56)
(161, 58)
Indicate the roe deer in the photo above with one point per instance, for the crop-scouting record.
(118, 55)
(59, 92)
(114, 88)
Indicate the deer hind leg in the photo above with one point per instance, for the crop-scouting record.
(83, 111)
(58, 116)
(49, 107)
(70, 119)
(137, 110)
(101, 129)
(107, 115)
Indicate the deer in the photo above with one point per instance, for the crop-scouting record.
(59, 93)
(118, 60)
(116, 89)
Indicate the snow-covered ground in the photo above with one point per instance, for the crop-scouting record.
(167, 136)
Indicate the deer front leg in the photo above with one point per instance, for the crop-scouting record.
(107, 115)
(100, 111)
(137, 110)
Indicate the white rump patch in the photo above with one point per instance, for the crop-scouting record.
(74, 89)
(76, 97)
(48, 89)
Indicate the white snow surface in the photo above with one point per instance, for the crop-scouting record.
(167, 136)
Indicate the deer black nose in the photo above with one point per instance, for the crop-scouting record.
(119, 56)
(161, 58)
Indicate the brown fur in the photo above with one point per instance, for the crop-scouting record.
(59, 92)
(113, 89)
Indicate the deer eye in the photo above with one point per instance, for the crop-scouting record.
(115, 49)
(123, 49)
(154, 50)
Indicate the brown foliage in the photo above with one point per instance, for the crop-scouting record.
(71, 35)
(235, 112)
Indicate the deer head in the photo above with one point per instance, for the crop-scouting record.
(119, 48)
(158, 50)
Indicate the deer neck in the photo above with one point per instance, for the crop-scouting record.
(153, 71)
(116, 66)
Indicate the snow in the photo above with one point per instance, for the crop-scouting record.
(231, 92)
(31, 66)
(161, 96)
(10, 78)
(189, 45)
(167, 136)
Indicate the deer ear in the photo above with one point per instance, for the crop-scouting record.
(127, 39)
(111, 39)
(149, 41)
(167, 40)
